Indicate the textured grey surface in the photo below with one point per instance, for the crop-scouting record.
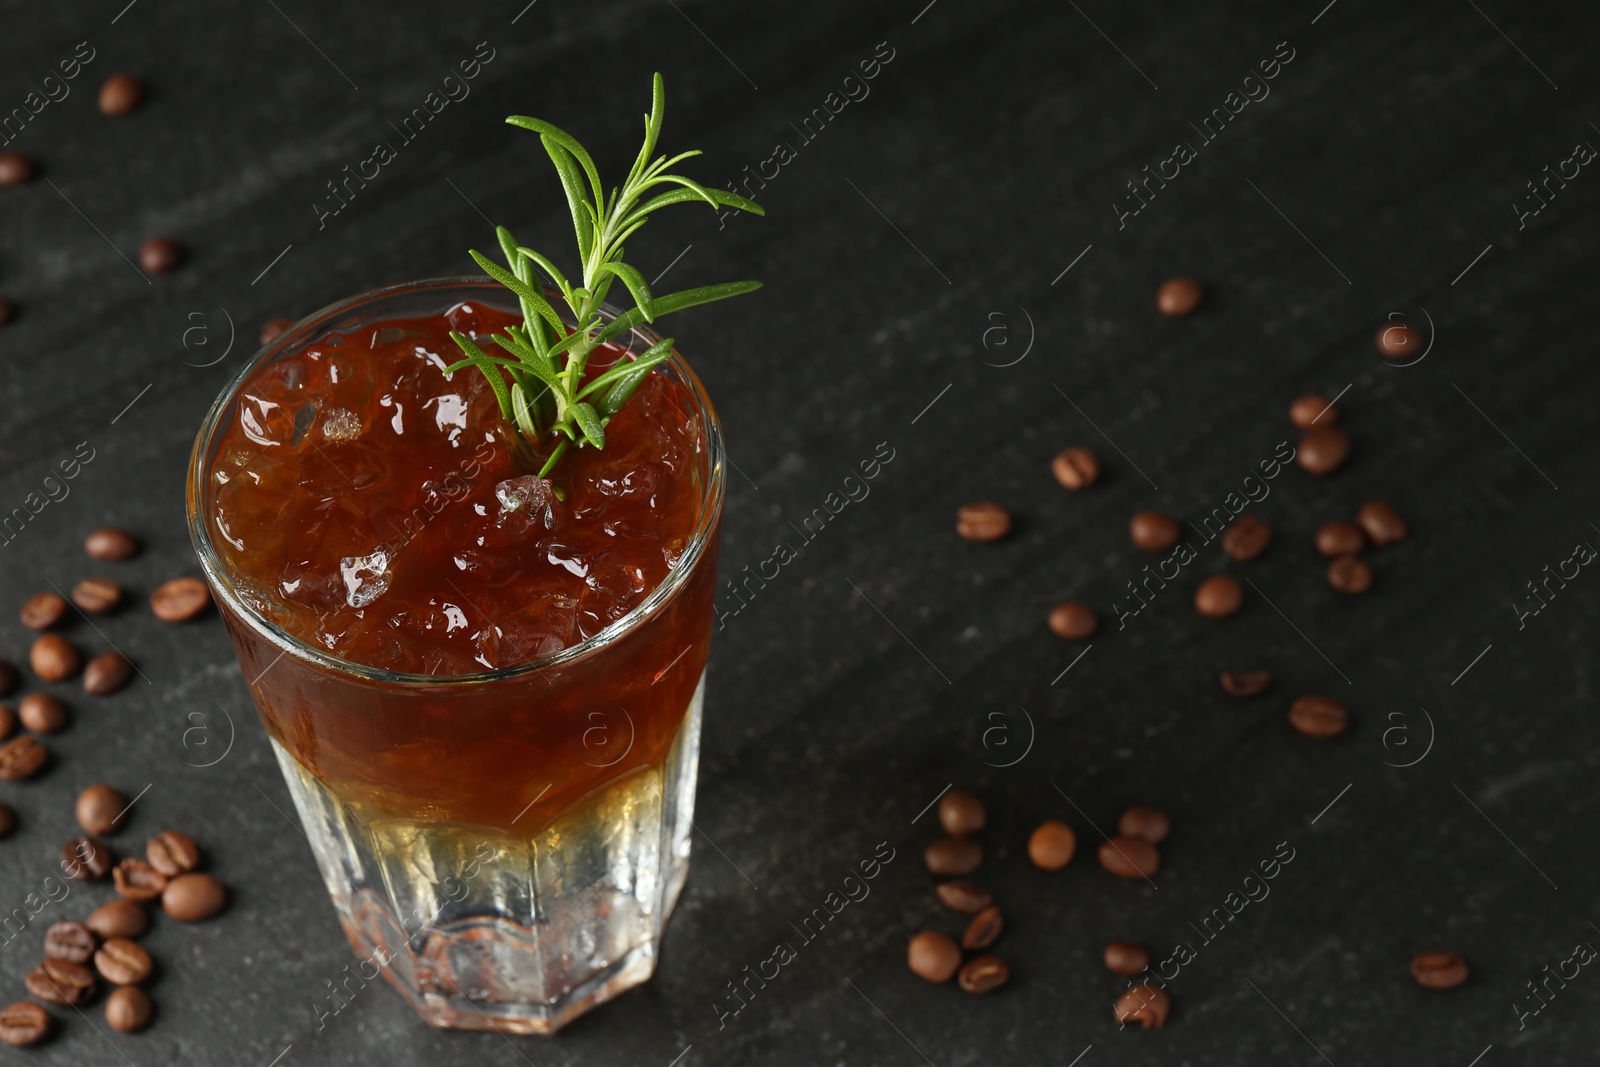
(985, 159)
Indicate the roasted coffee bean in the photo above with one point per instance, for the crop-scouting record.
(1151, 824)
(1441, 969)
(1218, 597)
(69, 941)
(1051, 846)
(1129, 857)
(1399, 340)
(137, 880)
(60, 982)
(192, 897)
(1319, 717)
(1073, 620)
(118, 918)
(24, 1023)
(1144, 1004)
(1126, 958)
(954, 856)
(8, 677)
(180, 599)
(983, 975)
(172, 853)
(159, 255)
(43, 610)
(122, 962)
(272, 328)
(1245, 683)
(111, 543)
(1350, 575)
(42, 713)
(1153, 531)
(1178, 297)
(7, 310)
(100, 809)
(54, 658)
(1323, 450)
(106, 673)
(1076, 468)
(983, 521)
(1247, 538)
(120, 94)
(933, 956)
(1381, 522)
(128, 1009)
(1311, 410)
(85, 859)
(21, 757)
(984, 929)
(964, 897)
(15, 168)
(1340, 538)
(8, 821)
(97, 595)
(8, 722)
(961, 813)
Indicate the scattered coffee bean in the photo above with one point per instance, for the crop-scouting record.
(1129, 857)
(85, 859)
(106, 673)
(1319, 717)
(984, 929)
(964, 897)
(1381, 522)
(983, 975)
(8, 821)
(192, 897)
(24, 1023)
(1073, 620)
(100, 810)
(1153, 531)
(21, 757)
(1178, 297)
(983, 521)
(1399, 340)
(1126, 958)
(933, 956)
(111, 543)
(42, 713)
(180, 599)
(1350, 575)
(1323, 450)
(43, 610)
(1218, 597)
(1441, 969)
(128, 1010)
(1340, 538)
(1076, 468)
(1247, 538)
(54, 658)
(8, 722)
(1245, 683)
(1051, 846)
(1151, 824)
(159, 255)
(954, 856)
(15, 168)
(172, 852)
(1144, 1004)
(7, 310)
(70, 941)
(137, 880)
(97, 595)
(1311, 410)
(9, 677)
(961, 813)
(273, 327)
(120, 94)
(60, 982)
(122, 962)
(118, 918)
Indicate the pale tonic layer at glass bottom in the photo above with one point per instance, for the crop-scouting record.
(479, 929)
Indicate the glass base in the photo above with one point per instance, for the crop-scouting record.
(484, 930)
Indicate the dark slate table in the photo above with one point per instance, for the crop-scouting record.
(955, 275)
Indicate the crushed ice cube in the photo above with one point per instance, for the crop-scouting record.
(532, 496)
(341, 424)
(366, 578)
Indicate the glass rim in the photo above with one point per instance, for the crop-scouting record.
(222, 584)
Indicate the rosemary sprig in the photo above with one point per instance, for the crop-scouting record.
(540, 387)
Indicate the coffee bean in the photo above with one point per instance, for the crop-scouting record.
(1153, 531)
(120, 94)
(1311, 410)
(159, 255)
(1245, 683)
(933, 956)
(1129, 857)
(122, 962)
(97, 595)
(111, 543)
(15, 168)
(54, 658)
(1144, 1004)
(961, 813)
(106, 673)
(1350, 575)
(1126, 958)
(137, 880)
(1399, 340)
(1051, 846)
(180, 599)
(1340, 538)
(1076, 468)
(172, 853)
(101, 809)
(42, 713)
(1319, 717)
(43, 610)
(983, 521)
(21, 757)
(1247, 538)
(1381, 522)
(1218, 597)
(1073, 620)
(983, 930)
(128, 1009)
(8, 721)
(24, 1023)
(8, 821)
(964, 897)
(1178, 297)
(85, 859)
(192, 897)
(71, 941)
(60, 982)
(1323, 450)
(8, 677)
(1151, 824)
(273, 327)
(983, 975)
(1441, 969)
(118, 918)
(7, 310)
(954, 856)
